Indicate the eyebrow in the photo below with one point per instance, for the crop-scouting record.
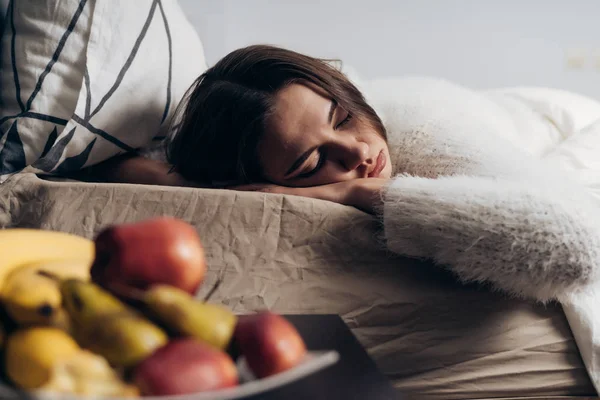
(298, 163)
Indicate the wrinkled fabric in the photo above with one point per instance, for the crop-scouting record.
(496, 186)
(433, 337)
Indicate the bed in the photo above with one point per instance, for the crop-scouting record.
(433, 337)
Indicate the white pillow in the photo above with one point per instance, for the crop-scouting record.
(84, 80)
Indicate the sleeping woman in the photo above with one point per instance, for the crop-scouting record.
(448, 184)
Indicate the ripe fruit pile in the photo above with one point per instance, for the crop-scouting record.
(130, 325)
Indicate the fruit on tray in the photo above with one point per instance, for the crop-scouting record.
(185, 366)
(88, 374)
(31, 294)
(108, 327)
(186, 316)
(135, 328)
(27, 296)
(46, 358)
(2, 334)
(76, 268)
(159, 250)
(31, 354)
(19, 247)
(270, 343)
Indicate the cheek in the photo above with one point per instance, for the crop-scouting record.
(331, 172)
(387, 171)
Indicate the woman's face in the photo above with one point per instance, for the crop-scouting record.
(311, 141)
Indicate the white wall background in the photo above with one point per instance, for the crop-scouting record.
(480, 43)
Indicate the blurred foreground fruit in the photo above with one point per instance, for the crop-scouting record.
(269, 342)
(106, 326)
(188, 316)
(32, 353)
(86, 373)
(31, 293)
(24, 246)
(160, 250)
(185, 366)
(2, 334)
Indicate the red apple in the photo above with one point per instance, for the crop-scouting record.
(185, 366)
(161, 250)
(269, 342)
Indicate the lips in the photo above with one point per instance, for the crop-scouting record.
(379, 166)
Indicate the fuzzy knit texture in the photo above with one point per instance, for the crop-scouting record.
(466, 196)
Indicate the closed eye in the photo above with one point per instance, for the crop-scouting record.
(316, 169)
(344, 121)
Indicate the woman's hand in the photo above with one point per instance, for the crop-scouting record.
(364, 193)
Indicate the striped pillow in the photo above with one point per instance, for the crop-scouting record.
(84, 80)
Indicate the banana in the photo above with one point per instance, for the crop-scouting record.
(31, 293)
(75, 268)
(23, 246)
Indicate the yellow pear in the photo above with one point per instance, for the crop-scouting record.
(187, 316)
(88, 374)
(32, 353)
(107, 326)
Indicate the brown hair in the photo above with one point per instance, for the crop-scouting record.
(224, 112)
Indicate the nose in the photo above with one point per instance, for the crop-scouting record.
(355, 154)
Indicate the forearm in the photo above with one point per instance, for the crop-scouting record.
(135, 169)
(530, 241)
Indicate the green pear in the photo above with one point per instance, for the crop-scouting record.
(189, 317)
(85, 301)
(105, 325)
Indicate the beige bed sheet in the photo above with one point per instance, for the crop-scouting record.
(434, 338)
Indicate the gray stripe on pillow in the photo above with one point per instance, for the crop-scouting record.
(13, 57)
(77, 162)
(50, 142)
(168, 32)
(35, 115)
(12, 156)
(48, 163)
(101, 133)
(88, 94)
(130, 59)
(59, 48)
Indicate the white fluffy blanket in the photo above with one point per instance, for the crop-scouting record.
(436, 132)
(572, 142)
